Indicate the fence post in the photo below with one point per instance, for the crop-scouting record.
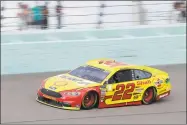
(2, 9)
(101, 14)
(142, 11)
(139, 13)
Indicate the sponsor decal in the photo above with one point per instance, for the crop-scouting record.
(60, 83)
(139, 90)
(112, 63)
(77, 106)
(103, 93)
(102, 98)
(136, 96)
(164, 95)
(143, 82)
(158, 82)
(52, 88)
(79, 81)
(49, 97)
(103, 90)
(109, 88)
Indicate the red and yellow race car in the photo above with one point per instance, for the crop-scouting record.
(103, 83)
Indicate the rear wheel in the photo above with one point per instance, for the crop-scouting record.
(149, 96)
(89, 100)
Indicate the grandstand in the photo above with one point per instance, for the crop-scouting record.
(92, 14)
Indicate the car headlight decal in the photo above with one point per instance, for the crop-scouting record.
(71, 93)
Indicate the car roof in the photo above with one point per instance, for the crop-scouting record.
(109, 64)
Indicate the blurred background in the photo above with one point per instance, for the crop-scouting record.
(123, 30)
(47, 38)
(37, 15)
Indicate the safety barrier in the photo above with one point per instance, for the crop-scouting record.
(45, 51)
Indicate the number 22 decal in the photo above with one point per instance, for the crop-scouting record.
(123, 92)
(113, 64)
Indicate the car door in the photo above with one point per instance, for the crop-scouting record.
(120, 87)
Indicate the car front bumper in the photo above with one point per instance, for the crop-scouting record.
(61, 103)
(55, 104)
(163, 95)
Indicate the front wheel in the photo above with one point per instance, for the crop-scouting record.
(89, 100)
(149, 96)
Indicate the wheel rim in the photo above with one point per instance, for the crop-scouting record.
(148, 95)
(89, 100)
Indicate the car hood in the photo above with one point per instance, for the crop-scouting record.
(67, 82)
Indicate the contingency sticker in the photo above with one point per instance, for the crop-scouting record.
(158, 82)
(109, 87)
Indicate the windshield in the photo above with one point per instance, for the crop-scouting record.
(90, 73)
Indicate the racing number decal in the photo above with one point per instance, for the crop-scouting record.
(118, 94)
(128, 92)
(123, 92)
(112, 64)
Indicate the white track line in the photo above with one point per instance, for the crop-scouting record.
(87, 40)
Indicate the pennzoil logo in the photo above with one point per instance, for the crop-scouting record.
(60, 83)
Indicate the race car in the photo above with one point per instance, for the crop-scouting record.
(103, 83)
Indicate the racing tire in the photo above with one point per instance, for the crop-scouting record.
(149, 96)
(89, 100)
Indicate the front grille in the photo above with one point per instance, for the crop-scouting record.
(50, 93)
(51, 102)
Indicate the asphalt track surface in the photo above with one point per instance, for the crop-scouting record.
(18, 105)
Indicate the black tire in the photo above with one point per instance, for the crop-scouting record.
(149, 96)
(89, 100)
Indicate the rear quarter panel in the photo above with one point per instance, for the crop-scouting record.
(159, 80)
(141, 86)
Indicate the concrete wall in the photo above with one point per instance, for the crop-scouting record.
(45, 51)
